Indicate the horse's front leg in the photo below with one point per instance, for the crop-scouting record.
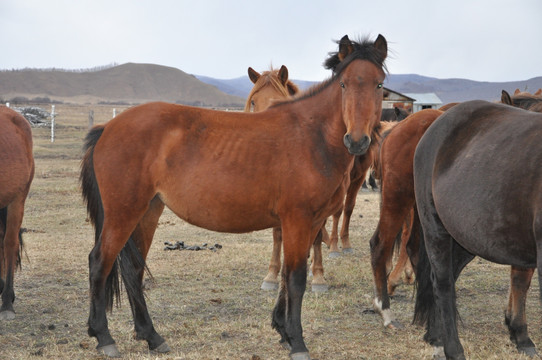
(296, 240)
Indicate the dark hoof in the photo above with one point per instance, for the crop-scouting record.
(300, 356)
(162, 349)
(7, 315)
(109, 351)
(529, 351)
(334, 255)
(319, 288)
(268, 286)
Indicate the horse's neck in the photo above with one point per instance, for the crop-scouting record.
(322, 117)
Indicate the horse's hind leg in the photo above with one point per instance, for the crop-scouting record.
(271, 282)
(403, 262)
(11, 254)
(117, 230)
(515, 318)
(318, 280)
(133, 277)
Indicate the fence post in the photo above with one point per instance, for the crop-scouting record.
(90, 119)
(53, 123)
(114, 112)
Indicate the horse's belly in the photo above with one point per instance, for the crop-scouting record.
(219, 214)
(496, 235)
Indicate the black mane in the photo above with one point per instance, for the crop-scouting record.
(364, 49)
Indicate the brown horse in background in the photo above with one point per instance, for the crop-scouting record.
(288, 166)
(17, 164)
(397, 201)
(269, 87)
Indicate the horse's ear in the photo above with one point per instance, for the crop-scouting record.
(345, 48)
(283, 74)
(382, 46)
(516, 92)
(253, 75)
(538, 92)
(505, 98)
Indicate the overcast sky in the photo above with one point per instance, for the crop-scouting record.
(483, 40)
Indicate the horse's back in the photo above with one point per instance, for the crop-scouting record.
(16, 159)
(478, 164)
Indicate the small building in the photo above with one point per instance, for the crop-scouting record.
(425, 101)
(394, 99)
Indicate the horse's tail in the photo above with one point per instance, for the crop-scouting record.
(425, 304)
(95, 211)
(130, 257)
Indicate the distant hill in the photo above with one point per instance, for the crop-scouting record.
(448, 90)
(137, 83)
(128, 83)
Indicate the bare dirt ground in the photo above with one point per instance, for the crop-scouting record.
(208, 305)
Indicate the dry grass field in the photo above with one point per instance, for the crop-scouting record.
(208, 305)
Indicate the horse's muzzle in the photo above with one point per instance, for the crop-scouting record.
(357, 147)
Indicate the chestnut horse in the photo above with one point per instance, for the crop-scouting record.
(288, 166)
(17, 164)
(269, 87)
(469, 205)
(397, 201)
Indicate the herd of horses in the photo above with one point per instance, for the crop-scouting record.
(289, 162)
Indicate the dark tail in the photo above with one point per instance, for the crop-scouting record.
(129, 257)
(424, 288)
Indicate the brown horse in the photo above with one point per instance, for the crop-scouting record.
(397, 201)
(17, 164)
(288, 166)
(469, 205)
(269, 87)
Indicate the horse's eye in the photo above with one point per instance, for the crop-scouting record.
(379, 86)
(342, 84)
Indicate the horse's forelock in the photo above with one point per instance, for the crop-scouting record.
(363, 49)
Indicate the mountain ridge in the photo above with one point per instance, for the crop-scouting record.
(133, 83)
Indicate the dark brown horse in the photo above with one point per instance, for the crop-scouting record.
(288, 166)
(270, 87)
(469, 206)
(17, 164)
